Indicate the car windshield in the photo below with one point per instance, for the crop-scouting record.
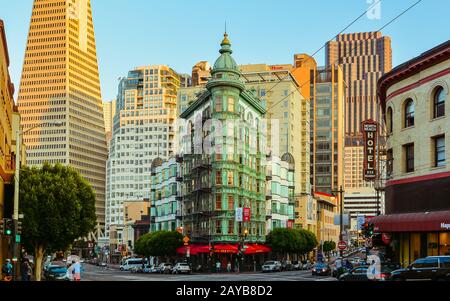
(183, 264)
(320, 266)
(269, 262)
(58, 269)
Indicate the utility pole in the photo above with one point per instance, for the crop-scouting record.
(341, 217)
(15, 237)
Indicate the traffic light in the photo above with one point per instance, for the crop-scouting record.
(7, 227)
(371, 229)
(19, 228)
(2, 226)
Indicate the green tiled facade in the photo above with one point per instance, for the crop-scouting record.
(216, 183)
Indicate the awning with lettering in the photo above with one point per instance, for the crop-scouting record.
(256, 249)
(413, 222)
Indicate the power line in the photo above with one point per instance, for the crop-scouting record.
(354, 48)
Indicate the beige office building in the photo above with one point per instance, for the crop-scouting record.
(109, 110)
(60, 84)
(364, 58)
(290, 110)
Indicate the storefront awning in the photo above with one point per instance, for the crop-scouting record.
(256, 249)
(193, 249)
(413, 222)
(251, 249)
(226, 248)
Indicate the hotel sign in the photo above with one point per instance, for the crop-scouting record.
(370, 131)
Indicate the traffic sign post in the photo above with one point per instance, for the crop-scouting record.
(342, 246)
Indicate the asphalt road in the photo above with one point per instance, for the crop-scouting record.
(94, 273)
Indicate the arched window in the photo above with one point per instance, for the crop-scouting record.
(409, 113)
(439, 102)
(389, 120)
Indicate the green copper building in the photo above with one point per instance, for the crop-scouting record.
(223, 164)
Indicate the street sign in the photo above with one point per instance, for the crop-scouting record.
(361, 220)
(342, 245)
(186, 239)
(239, 214)
(247, 214)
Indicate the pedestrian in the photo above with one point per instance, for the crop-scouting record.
(218, 266)
(70, 272)
(25, 270)
(76, 270)
(229, 267)
(7, 270)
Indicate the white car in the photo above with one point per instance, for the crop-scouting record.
(180, 268)
(165, 268)
(271, 266)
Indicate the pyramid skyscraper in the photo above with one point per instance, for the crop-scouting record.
(60, 93)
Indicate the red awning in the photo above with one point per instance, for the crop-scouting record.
(194, 249)
(257, 249)
(413, 222)
(226, 248)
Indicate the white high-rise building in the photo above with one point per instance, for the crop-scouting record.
(143, 130)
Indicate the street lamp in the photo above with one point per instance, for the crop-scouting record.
(19, 135)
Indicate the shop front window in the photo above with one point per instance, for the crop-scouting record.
(444, 243)
(433, 244)
(414, 253)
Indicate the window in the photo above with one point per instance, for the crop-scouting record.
(218, 202)
(218, 227)
(390, 163)
(409, 155)
(426, 263)
(439, 151)
(230, 178)
(409, 113)
(389, 120)
(439, 103)
(218, 178)
(230, 227)
(230, 202)
(230, 104)
(218, 104)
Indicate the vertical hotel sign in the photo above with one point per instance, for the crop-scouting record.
(370, 133)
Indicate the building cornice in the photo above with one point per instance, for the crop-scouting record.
(426, 60)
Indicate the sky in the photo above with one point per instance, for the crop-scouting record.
(180, 33)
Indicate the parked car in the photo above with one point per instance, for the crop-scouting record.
(56, 273)
(286, 266)
(131, 263)
(307, 265)
(271, 266)
(321, 269)
(296, 265)
(149, 269)
(181, 268)
(434, 268)
(360, 274)
(356, 261)
(165, 268)
(102, 264)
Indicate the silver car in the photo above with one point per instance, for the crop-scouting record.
(271, 266)
(180, 268)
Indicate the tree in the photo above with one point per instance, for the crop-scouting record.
(58, 206)
(161, 243)
(311, 241)
(291, 241)
(329, 246)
